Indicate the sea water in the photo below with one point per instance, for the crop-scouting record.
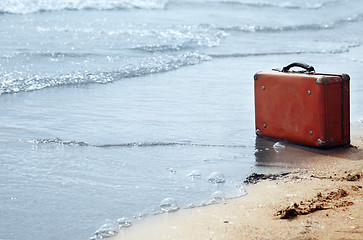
(114, 110)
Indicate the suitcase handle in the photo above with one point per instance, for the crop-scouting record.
(307, 67)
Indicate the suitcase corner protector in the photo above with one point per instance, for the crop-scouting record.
(345, 77)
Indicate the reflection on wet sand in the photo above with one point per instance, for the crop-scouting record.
(273, 152)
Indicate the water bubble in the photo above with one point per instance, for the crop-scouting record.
(219, 195)
(191, 206)
(242, 190)
(169, 205)
(203, 204)
(278, 146)
(216, 177)
(105, 231)
(213, 201)
(194, 174)
(142, 215)
(123, 222)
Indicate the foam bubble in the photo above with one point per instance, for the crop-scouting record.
(194, 174)
(216, 177)
(278, 146)
(242, 190)
(169, 205)
(203, 204)
(105, 231)
(219, 195)
(123, 222)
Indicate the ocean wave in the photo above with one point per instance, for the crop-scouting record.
(288, 28)
(283, 4)
(22, 82)
(160, 38)
(257, 28)
(182, 37)
(243, 55)
(48, 54)
(342, 49)
(32, 6)
(161, 47)
(156, 144)
(61, 142)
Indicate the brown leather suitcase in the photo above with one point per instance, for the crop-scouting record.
(303, 107)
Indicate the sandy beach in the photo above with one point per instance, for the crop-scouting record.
(109, 108)
(322, 200)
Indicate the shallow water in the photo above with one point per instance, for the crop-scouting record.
(109, 108)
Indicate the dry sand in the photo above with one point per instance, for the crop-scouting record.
(323, 201)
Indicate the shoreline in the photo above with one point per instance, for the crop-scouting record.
(323, 200)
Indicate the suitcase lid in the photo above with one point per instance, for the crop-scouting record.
(323, 78)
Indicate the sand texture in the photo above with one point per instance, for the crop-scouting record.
(322, 201)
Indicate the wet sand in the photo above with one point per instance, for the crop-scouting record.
(322, 200)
